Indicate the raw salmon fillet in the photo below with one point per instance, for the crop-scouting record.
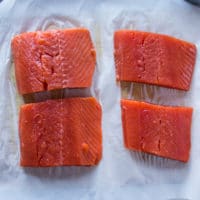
(153, 59)
(61, 132)
(53, 59)
(160, 130)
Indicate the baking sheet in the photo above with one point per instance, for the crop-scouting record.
(121, 174)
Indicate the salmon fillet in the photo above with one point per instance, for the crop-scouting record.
(160, 130)
(53, 59)
(153, 59)
(61, 132)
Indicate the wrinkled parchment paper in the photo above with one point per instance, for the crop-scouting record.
(121, 174)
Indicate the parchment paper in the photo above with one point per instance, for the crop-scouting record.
(121, 174)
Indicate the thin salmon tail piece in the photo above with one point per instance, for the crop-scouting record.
(53, 59)
(62, 132)
(153, 58)
(160, 130)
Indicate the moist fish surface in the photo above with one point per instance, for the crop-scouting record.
(53, 59)
(159, 130)
(60, 132)
(153, 59)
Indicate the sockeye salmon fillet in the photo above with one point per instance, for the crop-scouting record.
(61, 132)
(160, 130)
(53, 59)
(153, 59)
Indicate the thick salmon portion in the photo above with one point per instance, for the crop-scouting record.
(53, 59)
(153, 59)
(61, 132)
(160, 130)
